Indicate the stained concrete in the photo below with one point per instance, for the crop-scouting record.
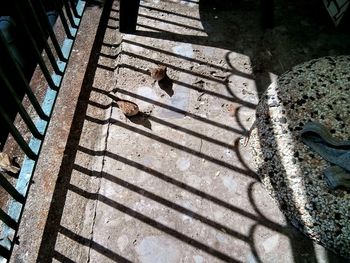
(173, 184)
(176, 184)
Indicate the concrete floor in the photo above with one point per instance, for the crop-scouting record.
(173, 184)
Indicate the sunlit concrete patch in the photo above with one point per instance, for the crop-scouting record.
(241, 63)
(133, 48)
(229, 183)
(189, 3)
(198, 259)
(158, 249)
(251, 258)
(179, 103)
(270, 244)
(183, 164)
(194, 180)
(148, 93)
(184, 49)
(123, 242)
(243, 88)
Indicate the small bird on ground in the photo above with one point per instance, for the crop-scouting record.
(127, 107)
(158, 73)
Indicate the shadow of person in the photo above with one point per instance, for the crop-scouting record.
(166, 84)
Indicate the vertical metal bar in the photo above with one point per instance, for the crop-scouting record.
(17, 136)
(63, 19)
(74, 8)
(41, 62)
(11, 189)
(15, 208)
(69, 13)
(8, 220)
(26, 86)
(46, 23)
(128, 15)
(41, 32)
(20, 107)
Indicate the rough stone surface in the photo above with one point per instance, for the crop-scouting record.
(316, 91)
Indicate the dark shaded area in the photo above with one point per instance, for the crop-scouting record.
(166, 84)
(16, 38)
(128, 15)
(141, 119)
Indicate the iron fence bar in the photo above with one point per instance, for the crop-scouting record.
(68, 12)
(8, 220)
(11, 189)
(26, 86)
(17, 136)
(23, 183)
(41, 62)
(74, 8)
(40, 34)
(42, 14)
(25, 116)
(63, 20)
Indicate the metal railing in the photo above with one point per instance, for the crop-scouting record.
(44, 51)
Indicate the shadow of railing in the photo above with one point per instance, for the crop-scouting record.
(171, 108)
(84, 241)
(53, 226)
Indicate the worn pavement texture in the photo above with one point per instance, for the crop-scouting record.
(174, 183)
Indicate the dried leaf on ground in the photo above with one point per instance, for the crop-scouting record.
(6, 165)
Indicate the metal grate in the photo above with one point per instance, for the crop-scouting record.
(33, 18)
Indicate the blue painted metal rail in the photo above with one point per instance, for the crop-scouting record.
(32, 17)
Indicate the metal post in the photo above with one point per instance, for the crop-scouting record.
(74, 8)
(39, 32)
(69, 13)
(46, 23)
(41, 62)
(20, 74)
(17, 136)
(128, 15)
(63, 19)
(20, 107)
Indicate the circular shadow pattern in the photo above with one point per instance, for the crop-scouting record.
(318, 90)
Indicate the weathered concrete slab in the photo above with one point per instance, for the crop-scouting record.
(173, 184)
(176, 184)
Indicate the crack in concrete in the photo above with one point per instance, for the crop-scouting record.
(99, 184)
(116, 53)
